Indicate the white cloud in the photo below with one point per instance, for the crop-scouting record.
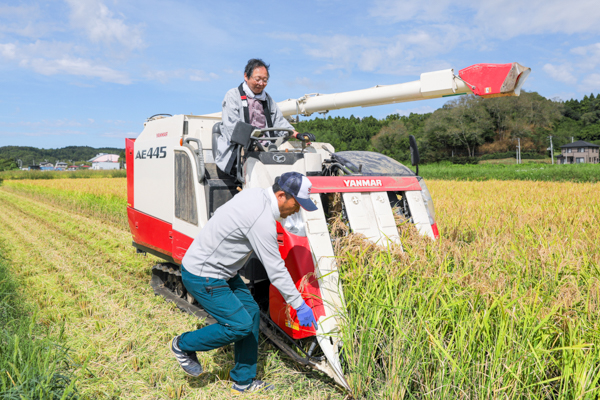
(76, 66)
(414, 110)
(307, 83)
(15, 11)
(46, 123)
(406, 54)
(116, 122)
(561, 73)
(201, 76)
(45, 49)
(26, 21)
(93, 17)
(162, 76)
(582, 60)
(585, 50)
(434, 30)
(120, 135)
(40, 133)
(76, 55)
(590, 55)
(8, 50)
(436, 27)
(191, 74)
(516, 17)
(52, 59)
(396, 11)
(498, 18)
(590, 83)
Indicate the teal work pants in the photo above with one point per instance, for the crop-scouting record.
(238, 320)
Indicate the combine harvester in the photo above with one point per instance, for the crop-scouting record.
(174, 187)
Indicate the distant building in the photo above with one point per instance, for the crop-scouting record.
(579, 152)
(105, 161)
(46, 166)
(61, 166)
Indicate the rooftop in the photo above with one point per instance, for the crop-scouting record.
(105, 158)
(579, 143)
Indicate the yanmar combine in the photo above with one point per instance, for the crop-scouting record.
(175, 154)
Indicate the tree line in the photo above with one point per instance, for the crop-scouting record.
(468, 128)
(465, 129)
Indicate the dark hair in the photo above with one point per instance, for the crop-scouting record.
(255, 63)
(277, 188)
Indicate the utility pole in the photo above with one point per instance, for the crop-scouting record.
(519, 151)
(551, 150)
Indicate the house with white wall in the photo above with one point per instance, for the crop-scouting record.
(105, 161)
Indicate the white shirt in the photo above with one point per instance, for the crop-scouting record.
(244, 224)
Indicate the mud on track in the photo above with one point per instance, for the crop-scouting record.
(85, 273)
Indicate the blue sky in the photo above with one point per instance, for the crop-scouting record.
(89, 72)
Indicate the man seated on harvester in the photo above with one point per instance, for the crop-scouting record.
(251, 104)
(209, 270)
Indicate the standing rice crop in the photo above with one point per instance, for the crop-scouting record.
(505, 305)
(99, 197)
(80, 174)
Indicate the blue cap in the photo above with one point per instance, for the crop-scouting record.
(298, 186)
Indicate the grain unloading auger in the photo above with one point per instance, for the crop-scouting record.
(174, 187)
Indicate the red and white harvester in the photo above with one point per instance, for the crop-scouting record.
(174, 187)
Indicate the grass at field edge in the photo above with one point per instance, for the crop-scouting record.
(33, 364)
(517, 172)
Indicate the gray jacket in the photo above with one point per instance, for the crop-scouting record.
(244, 224)
(233, 111)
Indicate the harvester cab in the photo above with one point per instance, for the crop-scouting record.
(174, 187)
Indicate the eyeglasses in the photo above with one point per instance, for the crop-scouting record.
(259, 80)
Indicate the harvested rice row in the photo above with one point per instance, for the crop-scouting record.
(86, 273)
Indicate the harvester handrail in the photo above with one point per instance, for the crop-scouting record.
(198, 156)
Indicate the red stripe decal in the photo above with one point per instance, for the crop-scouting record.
(150, 231)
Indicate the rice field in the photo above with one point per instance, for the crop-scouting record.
(81, 174)
(116, 187)
(505, 305)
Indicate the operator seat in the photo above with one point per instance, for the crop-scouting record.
(218, 174)
(216, 132)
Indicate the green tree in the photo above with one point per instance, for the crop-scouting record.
(461, 124)
(7, 165)
(392, 140)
